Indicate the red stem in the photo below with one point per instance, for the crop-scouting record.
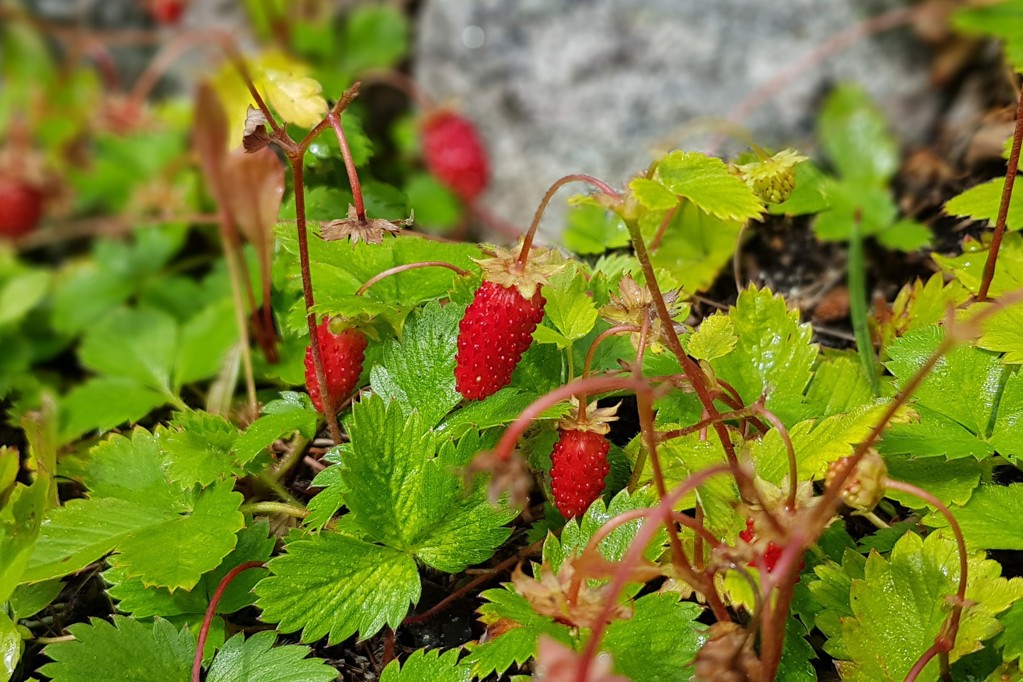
(790, 452)
(655, 243)
(211, 610)
(620, 329)
(1003, 207)
(353, 175)
(410, 266)
(527, 241)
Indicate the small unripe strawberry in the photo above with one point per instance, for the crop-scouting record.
(454, 153)
(578, 468)
(496, 330)
(772, 178)
(21, 207)
(343, 355)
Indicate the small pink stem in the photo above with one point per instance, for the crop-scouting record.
(211, 610)
(353, 175)
(410, 266)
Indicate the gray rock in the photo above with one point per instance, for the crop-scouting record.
(599, 86)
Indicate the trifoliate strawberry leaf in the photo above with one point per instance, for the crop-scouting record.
(773, 355)
(990, 519)
(695, 247)
(569, 309)
(659, 642)
(577, 532)
(282, 417)
(405, 494)
(418, 371)
(706, 182)
(855, 136)
(593, 229)
(848, 200)
(197, 446)
(968, 267)
(256, 659)
(817, 443)
(125, 650)
(517, 627)
(133, 344)
(957, 428)
(428, 665)
(165, 535)
(916, 583)
(333, 585)
(254, 544)
(981, 202)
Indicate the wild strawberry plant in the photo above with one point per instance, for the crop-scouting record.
(319, 441)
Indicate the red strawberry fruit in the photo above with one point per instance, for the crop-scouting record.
(579, 462)
(167, 12)
(21, 207)
(454, 154)
(343, 354)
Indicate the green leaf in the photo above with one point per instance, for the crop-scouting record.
(406, 495)
(1001, 333)
(433, 204)
(1011, 639)
(334, 585)
(838, 385)
(855, 136)
(951, 481)
(126, 650)
(568, 307)
(1002, 20)
(852, 199)
(29, 599)
(21, 293)
(283, 417)
(905, 235)
(653, 195)
(981, 203)
(696, 246)
(21, 516)
(714, 339)
(254, 544)
(522, 627)
(197, 446)
(808, 196)
(204, 341)
(916, 584)
(427, 665)
(968, 267)
(593, 229)
(256, 659)
(773, 355)
(659, 642)
(132, 344)
(105, 402)
(418, 372)
(990, 519)
(12, 646)
(706, 182)
(374, 37)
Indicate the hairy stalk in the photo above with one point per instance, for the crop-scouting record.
(211, 610)
(588, 362)
(353, 176)
(655, 243)
(702, 424)
(790, 452)
(945, 641)
(527, 241)
(857, 274)
(1003, 207)
(274, 508)
(410, 266)
(663, 512)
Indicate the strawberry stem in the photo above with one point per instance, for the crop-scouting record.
(588, 362)
(410, 266)
(1003, 207)
(211, 610)
(527, 241)
(353, 176)
(790, 452)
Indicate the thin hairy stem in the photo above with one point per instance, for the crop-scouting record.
(274, 508)
(790, 452)
(588, 362)
(353, 175)
(1003, 207)
(655, 243)
(211, 610)
(410, 266)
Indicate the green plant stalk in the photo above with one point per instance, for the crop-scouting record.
(858, 307)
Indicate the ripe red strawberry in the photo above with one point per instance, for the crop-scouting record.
(167, 12)
(771, 554)
(454, 154)
(343, 355)
(497, 329)
(21, 207)
(578, 468)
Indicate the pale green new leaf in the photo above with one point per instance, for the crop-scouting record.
(653, 195)
(916, 584)
(593, 229)
(21, 516)
(659, 642)
(706, 182)
(568, 307)
(1002, 333)
(714, 339)
(427, 665)
(419, 370)
(256, 659)
(127, 651)
(981, 202)
(773, 355)
(335, 586)
(968, 267)
(839, 385)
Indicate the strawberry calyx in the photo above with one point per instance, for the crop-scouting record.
(502, 267)
(590, 418)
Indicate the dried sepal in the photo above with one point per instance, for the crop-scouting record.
(634, 305)
(254, 136)
(594, 418)
(502, 267)
(369, 230)
(549, 596)
(865, 487)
